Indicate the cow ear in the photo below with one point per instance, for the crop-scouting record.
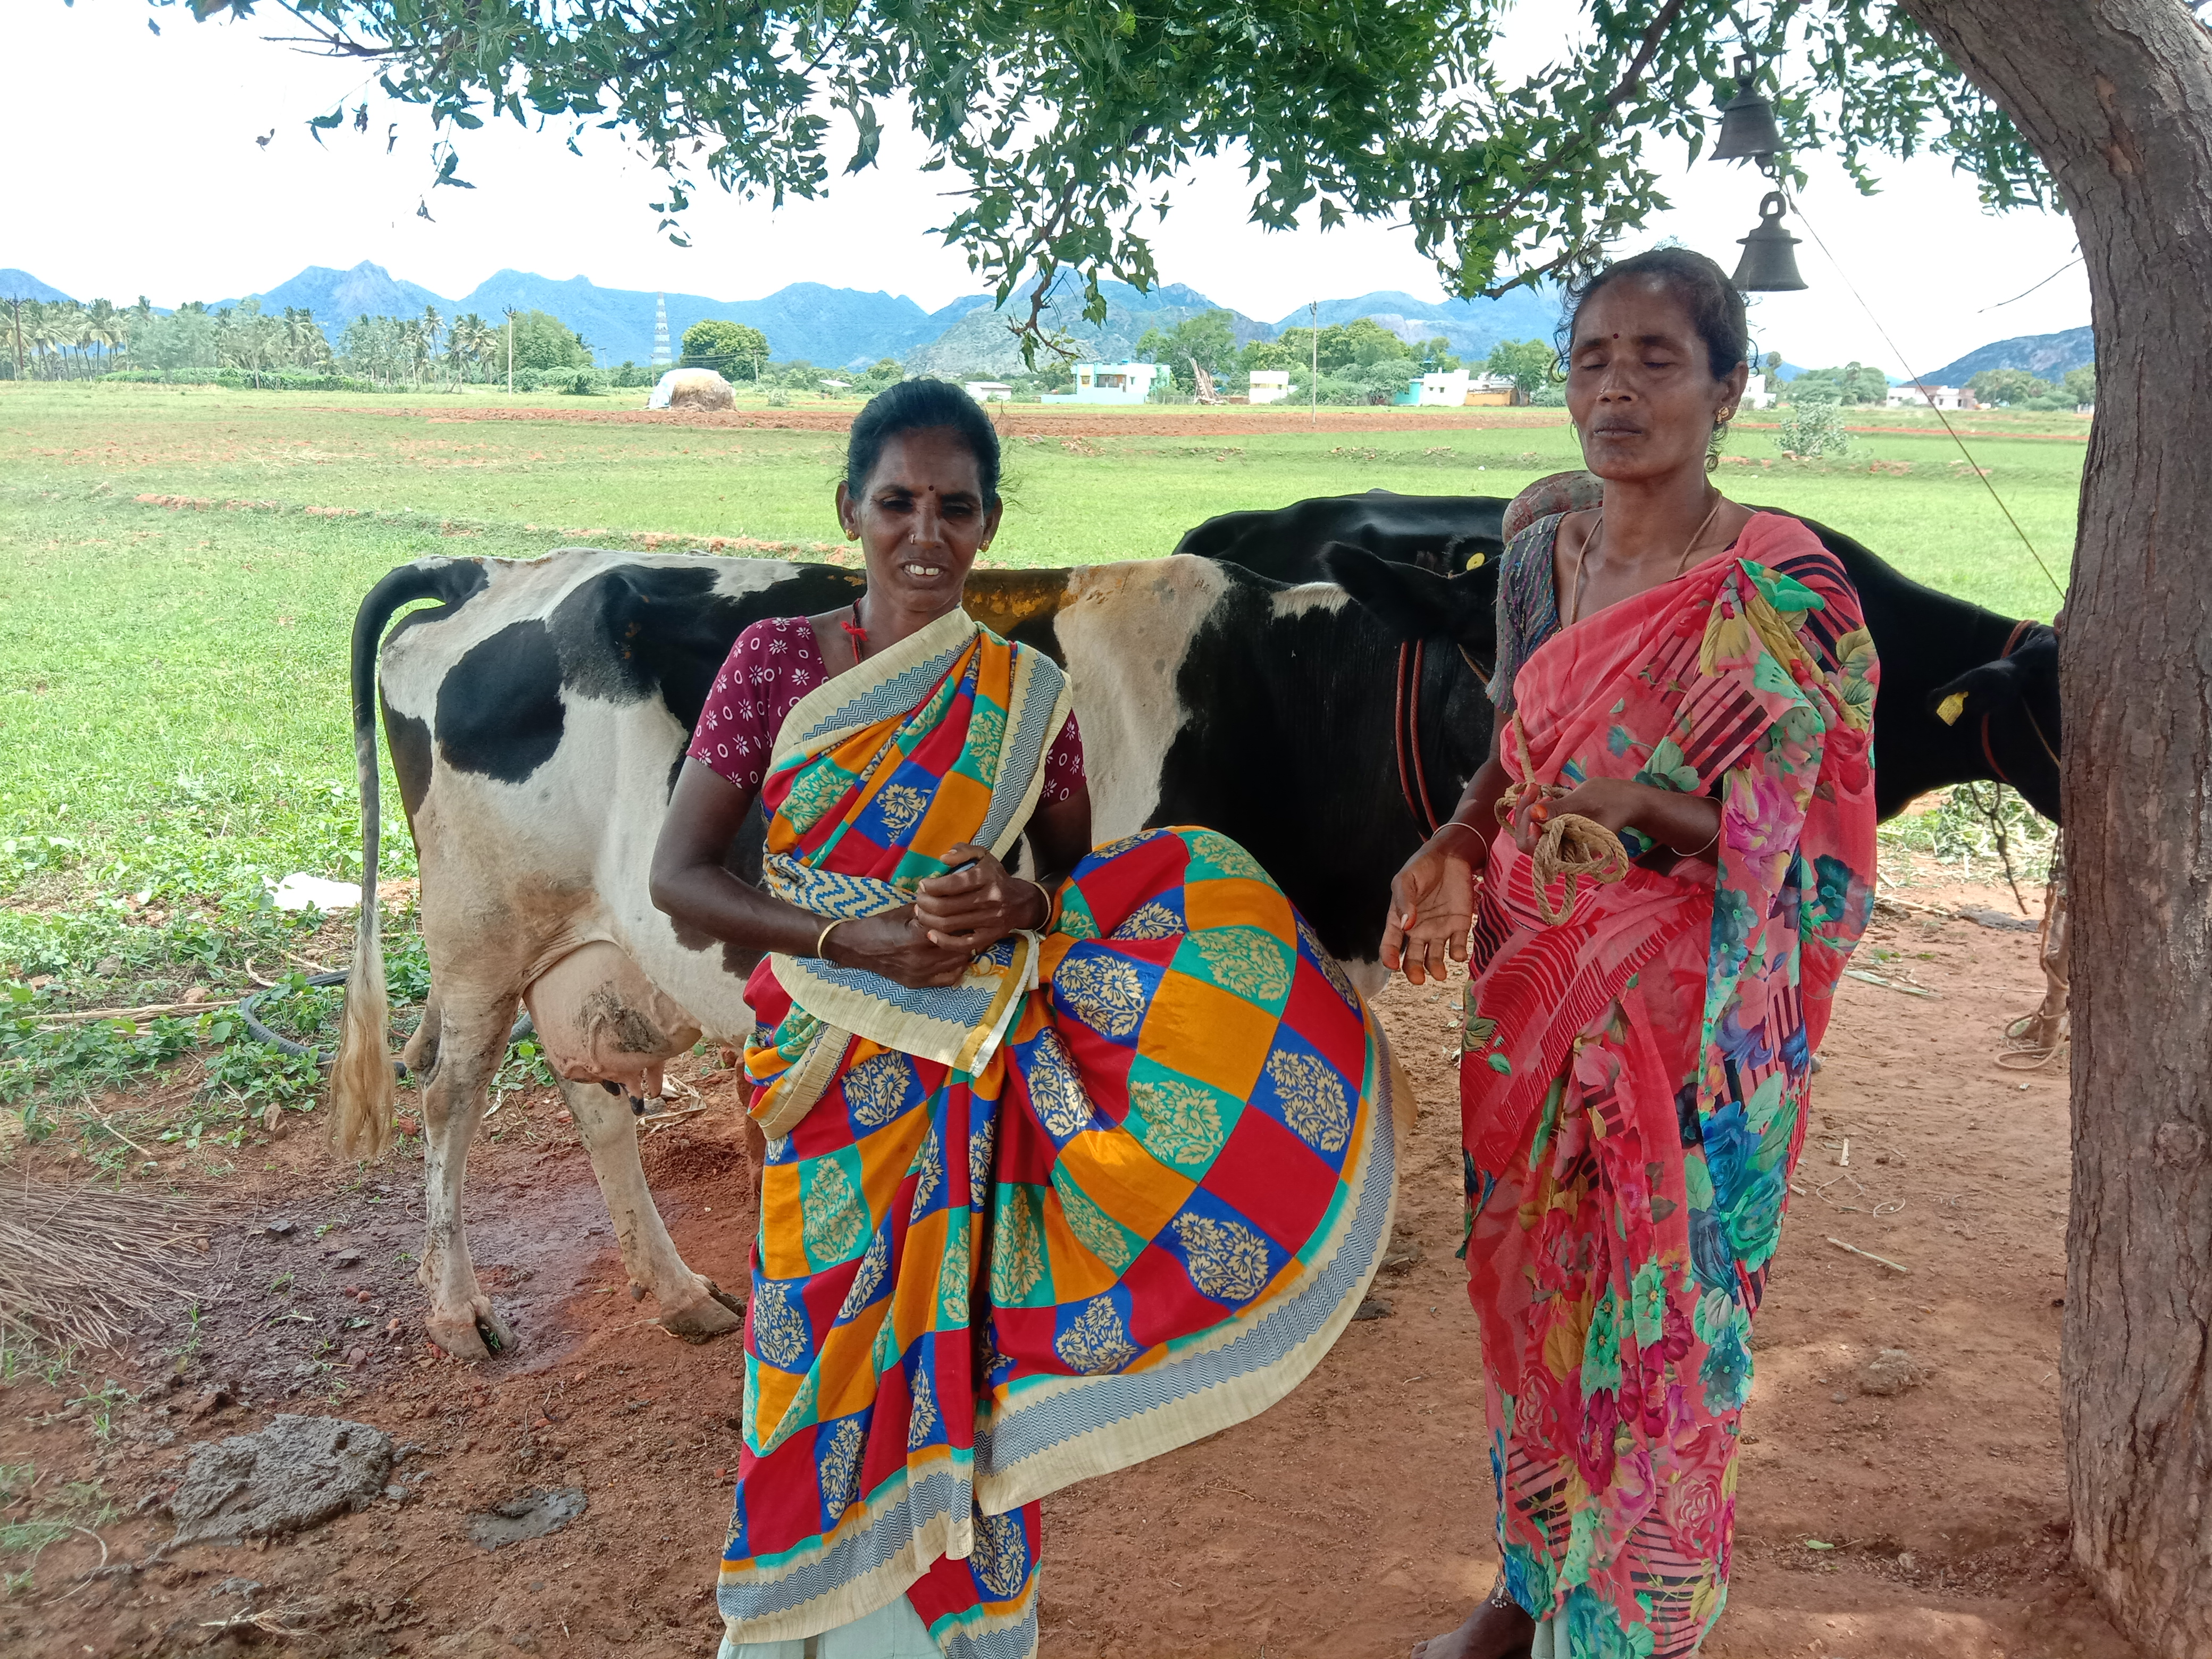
(1984, 690)
(1411, 603)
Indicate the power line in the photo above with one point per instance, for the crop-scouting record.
(1979, 471)
(2025, 292)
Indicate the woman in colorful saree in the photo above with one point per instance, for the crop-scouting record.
(1059, 1174)
(1694, 678)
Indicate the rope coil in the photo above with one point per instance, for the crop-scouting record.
(1572, 848)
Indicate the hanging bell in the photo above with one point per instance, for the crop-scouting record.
(1768, 266)
(1747, 129)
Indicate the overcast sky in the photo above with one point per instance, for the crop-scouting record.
(141, 176)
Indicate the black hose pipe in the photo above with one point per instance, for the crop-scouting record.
(261, 1033)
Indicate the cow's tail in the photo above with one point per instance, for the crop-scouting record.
(362, 1093)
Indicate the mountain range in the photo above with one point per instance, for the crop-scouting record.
(851, 327)
(981, 342)
(2047, 355)
(830, 325)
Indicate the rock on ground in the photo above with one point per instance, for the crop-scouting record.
(297, 1473)
(1891, 1371)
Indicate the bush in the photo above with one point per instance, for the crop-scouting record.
(529, 379)
(1552, 394)
(1812, 430)
(582, 382)
(635, 375)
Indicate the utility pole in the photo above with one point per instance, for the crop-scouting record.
(1313, 387)
(510, 351)
(16, 307)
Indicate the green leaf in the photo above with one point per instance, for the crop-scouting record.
(1062, 124)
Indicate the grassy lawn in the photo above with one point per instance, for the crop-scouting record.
(172, 698)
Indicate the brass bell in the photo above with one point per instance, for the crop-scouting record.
(1747, 129)
(1768, 266)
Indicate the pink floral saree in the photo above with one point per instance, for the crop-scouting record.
(1634, 1079)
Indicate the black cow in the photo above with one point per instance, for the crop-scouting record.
(1932, 646)
(1441, 533)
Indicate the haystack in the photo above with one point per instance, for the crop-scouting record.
(692, 388)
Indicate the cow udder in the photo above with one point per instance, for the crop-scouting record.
(600, 1020)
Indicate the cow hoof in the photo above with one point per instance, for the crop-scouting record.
(716, 1313)
(478, 1333)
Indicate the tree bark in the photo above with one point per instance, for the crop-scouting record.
(2116, 97)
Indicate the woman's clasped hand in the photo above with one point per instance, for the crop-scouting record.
(954, 918)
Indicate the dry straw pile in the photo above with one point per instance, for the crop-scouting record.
(82, 1266)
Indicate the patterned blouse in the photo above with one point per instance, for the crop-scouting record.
(770, 667)
(1528, 605)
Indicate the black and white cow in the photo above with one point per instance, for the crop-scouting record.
(537, 715)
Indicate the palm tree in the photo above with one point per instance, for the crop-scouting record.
(303, 337)
(433, 328)
(475, 344)
(107, 326)
(41, 333)
(414, 347)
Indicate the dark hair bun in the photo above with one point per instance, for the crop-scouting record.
(922, 405)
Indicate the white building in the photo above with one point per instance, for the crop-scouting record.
(1934, 397)
(1110, 383)
(989, 391)
(1270, 386)
(1448, 389)
(1756, 396)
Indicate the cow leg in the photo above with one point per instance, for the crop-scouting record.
(457, 1053)
(692, 1306)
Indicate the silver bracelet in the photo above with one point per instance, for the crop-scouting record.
(1455, 824)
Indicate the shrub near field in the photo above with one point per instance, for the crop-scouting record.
(173, 725)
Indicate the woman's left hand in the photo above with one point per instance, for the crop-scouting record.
(1672, 821)
(974, 909)
(1612, 802)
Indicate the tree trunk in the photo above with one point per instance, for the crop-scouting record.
(2116, 97)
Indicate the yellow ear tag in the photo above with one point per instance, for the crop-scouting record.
(1477, 561)
(1951, 707)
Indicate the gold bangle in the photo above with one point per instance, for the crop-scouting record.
(822, 937)
(1050, 903)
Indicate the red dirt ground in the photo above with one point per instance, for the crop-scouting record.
(1348, 1521)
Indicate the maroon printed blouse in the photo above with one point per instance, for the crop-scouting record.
(770, 667)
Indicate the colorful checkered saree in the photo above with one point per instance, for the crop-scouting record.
(1119, 1190)
(1633, 1088)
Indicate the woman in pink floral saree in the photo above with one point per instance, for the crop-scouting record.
(1637, 1052)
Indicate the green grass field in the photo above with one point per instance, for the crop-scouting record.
(172, 678)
